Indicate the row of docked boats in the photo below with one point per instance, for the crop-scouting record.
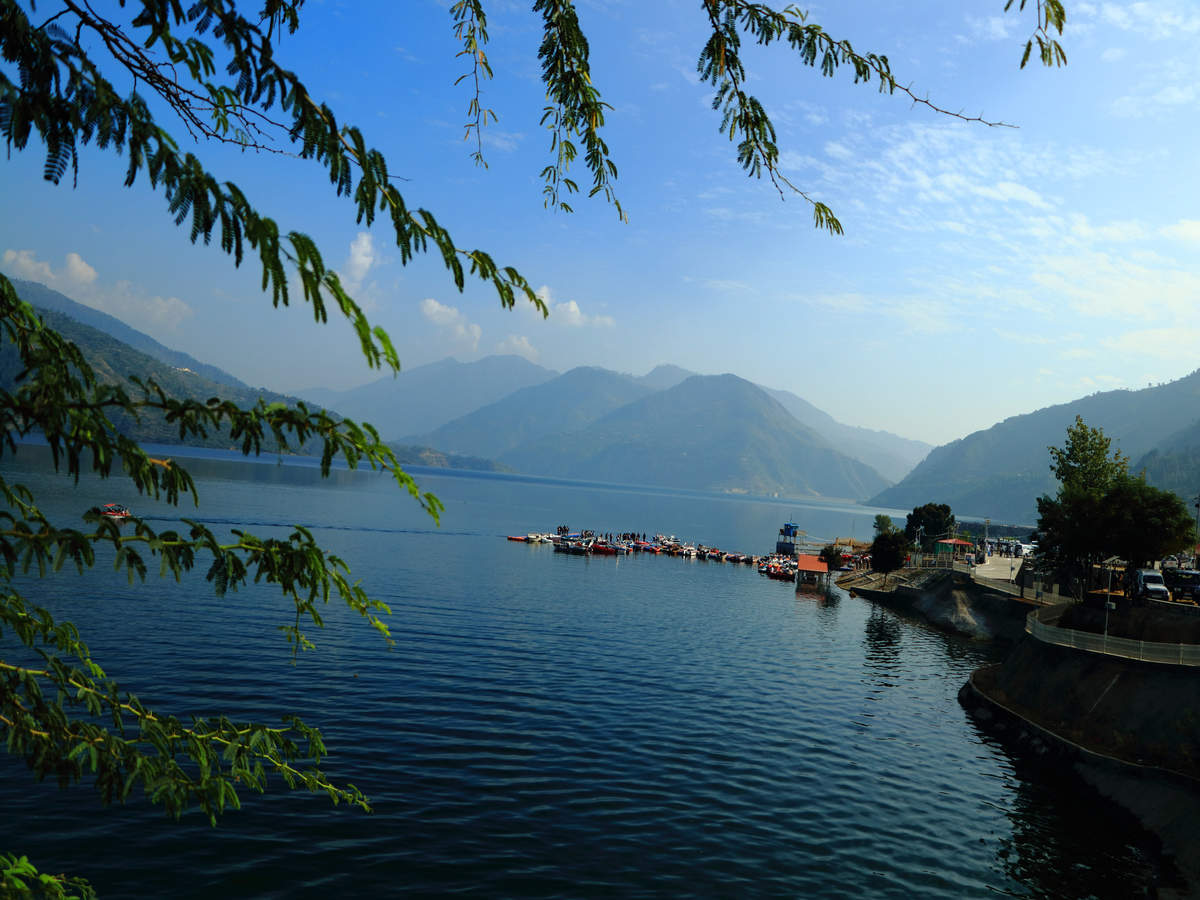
(795, 567)
(587, 542)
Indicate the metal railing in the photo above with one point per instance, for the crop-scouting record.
(1037, 624)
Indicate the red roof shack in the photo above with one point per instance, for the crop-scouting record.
(956, 546)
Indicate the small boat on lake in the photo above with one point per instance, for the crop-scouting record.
(115, 511)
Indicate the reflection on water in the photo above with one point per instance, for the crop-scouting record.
(882, 636)
(1062, 828)
(553, 726)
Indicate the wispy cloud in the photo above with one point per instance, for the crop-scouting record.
(569, 313)
(991, 28)
(129, 303)
(1099, 284)
(80, 282)
(1174, 346)
(1160, 20)
(519, 345)
(25, 264)
(502, 141)
(453, 321)
(1187, 230)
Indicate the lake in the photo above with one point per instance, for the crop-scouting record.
(561, 726)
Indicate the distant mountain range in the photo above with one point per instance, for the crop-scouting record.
(1000, 472)
(672, 427)
(113, 358)
(668, 427)
(561, 405)
(426, 397)
(710, 432)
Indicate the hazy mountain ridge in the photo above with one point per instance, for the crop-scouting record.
(890, 455)
(710, 432)
(113, 361)
(662, 377)
(424, 398)
(567, 403)
(45, 298)
(1000, 472)
(532, 404)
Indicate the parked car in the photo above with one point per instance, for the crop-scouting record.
(1148, 584)
(1184, 584)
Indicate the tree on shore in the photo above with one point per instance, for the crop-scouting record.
(931, 521)
(831, 556)
(889, 551)
(215, 70)
(1102, 511)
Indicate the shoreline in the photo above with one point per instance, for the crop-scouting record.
(1165, 802)
(1123, 727)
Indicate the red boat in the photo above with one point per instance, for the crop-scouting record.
(115, 511)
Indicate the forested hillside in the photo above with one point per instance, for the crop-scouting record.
(1000, 472)
(45, 298)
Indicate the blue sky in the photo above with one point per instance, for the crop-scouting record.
(985, 272)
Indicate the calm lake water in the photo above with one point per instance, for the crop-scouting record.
(560, 726)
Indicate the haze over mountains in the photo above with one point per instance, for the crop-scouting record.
(422, 398)
(672, 427)
(1001, 471)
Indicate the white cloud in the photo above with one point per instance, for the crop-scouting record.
(1174, 346)
(1113, 54)
(145, 313)
(1007, 191)
(362, 258)
(569, 313)
(992, 28)
(1109, 286)
(518, 344)
(1112, 232)
(1184, 230)
(23, 264)
(449, 318)
(1160, 20)
(78, 280)
(78, 270)
(838, 151)
(1174, 95)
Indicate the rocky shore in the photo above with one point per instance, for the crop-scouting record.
(948, 600)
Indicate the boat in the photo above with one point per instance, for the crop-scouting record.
(578, 547)
(115, 511)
